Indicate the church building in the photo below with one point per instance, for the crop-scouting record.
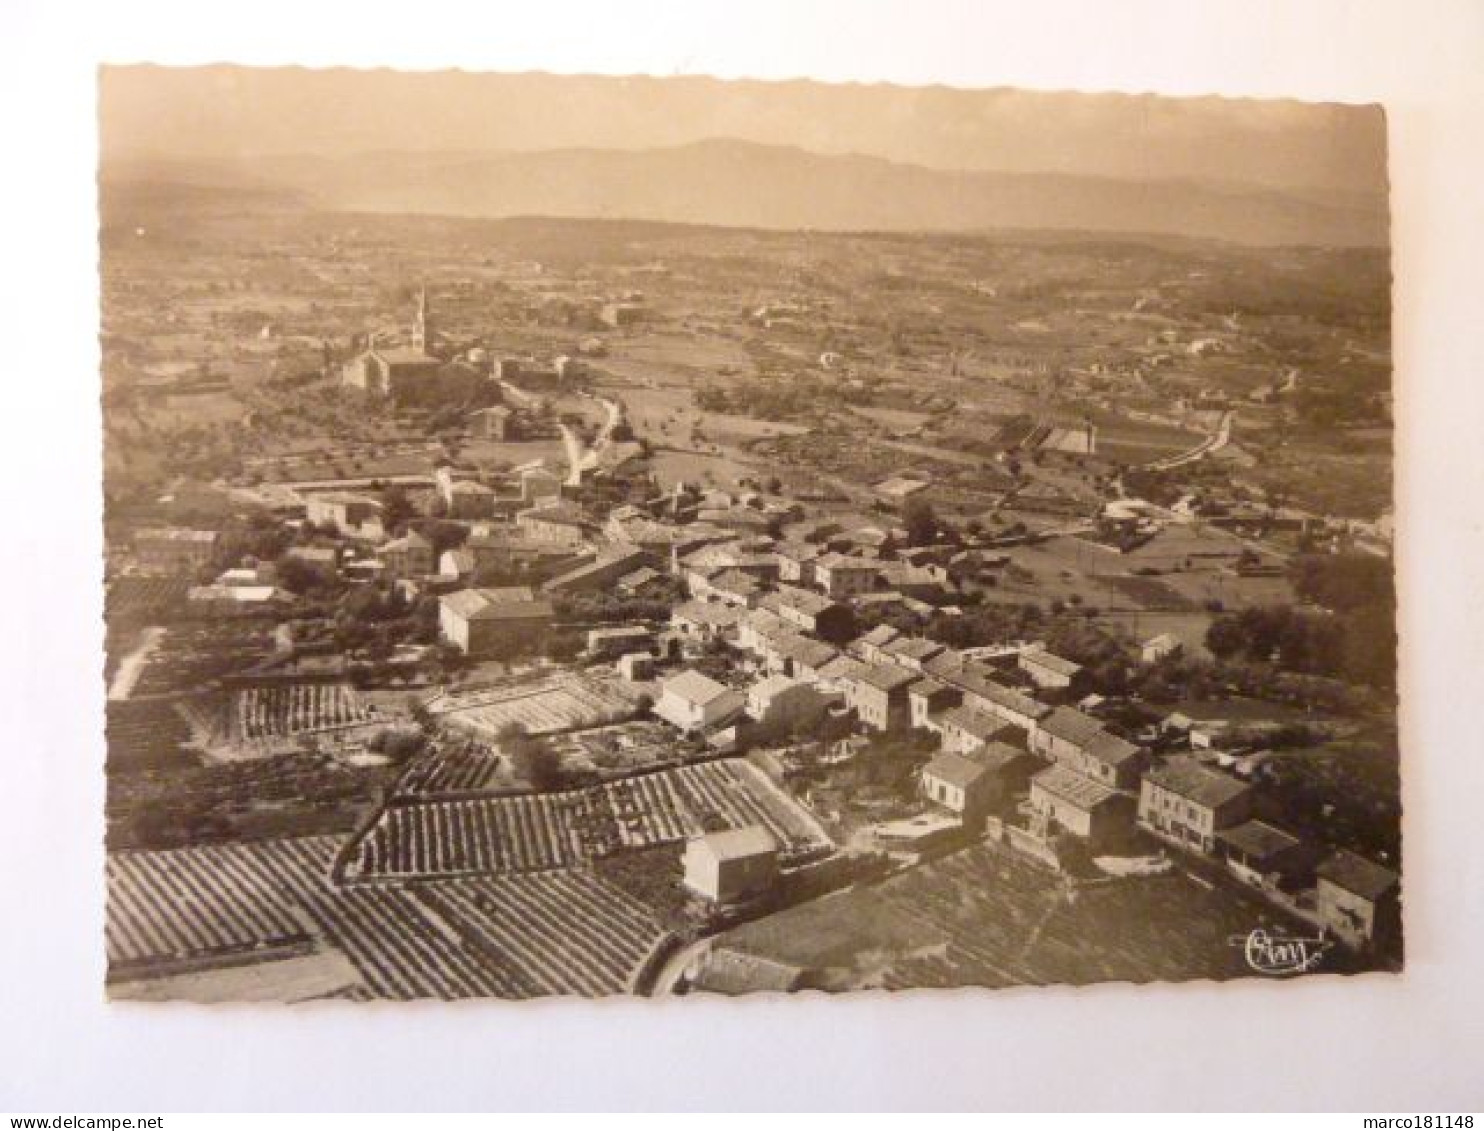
(400, 372)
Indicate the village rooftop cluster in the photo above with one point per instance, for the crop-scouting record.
(554, 685)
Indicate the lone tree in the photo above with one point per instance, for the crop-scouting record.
(920, 521)
(532, 756)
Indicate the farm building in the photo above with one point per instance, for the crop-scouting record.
(992, 698)
(1048, 670)
(1081, 742)
(1190, 804)
(732, 866)
(408, 556)
(492, 622)
(796, 562)
(841, 576)
(691, 701)
(965, 730)
(781, 703)
(878, 693)
(619, 314)
(465, 498)
(704, 620)
(912, 652)
(871, 646)
(1156, 648)
(1063, 799)
(812, 612)
(492, 423)
(962, 786)
(236, 600)
(1358, 900)
(355, 516)
(636, 666)
(928, 698)
(898, 489)
(1262, 854)
(558, 524)
(457, 565)
(645, 579)
(539, 484)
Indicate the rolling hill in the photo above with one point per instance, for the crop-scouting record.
(743, 184)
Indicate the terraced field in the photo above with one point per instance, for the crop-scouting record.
(539, 832)
(450, 767)
(554, 705)
(232, 906)
(282, 711)
(210, 901)
(401, 952)
(565, 932)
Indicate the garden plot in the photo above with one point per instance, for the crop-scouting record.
(625, 747)
(454, 766)
(569, 702)
(282, 711)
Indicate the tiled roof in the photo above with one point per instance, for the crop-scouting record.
(1070, 786)
(738, 844)
(976, 683)
(1258, 839)
(694, 687)
(1072, 726)
(1050, 661)
(886, 677)
(974, 723)
(1358, 875)
(954, 769)
(1111, 750)
(514, 603)
(1194, 782)
(708, 613)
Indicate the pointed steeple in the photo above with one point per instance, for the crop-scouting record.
(422, 332)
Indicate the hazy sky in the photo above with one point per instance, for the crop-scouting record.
(214, 112)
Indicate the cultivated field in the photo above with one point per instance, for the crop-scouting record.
(274, 712)
(451, 765)
(566, 702)
(262, 921)
(173, 907)
(560, 932)
(543, 832)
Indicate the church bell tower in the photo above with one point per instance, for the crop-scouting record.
(422, 329)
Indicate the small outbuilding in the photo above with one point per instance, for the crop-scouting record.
(962, 786)
(1358, 899)
(732, 866)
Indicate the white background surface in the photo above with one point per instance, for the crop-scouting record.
(1414, 1043)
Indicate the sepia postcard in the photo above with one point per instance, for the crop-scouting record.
(592, 536)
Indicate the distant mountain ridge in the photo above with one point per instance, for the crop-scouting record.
(732, 183)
